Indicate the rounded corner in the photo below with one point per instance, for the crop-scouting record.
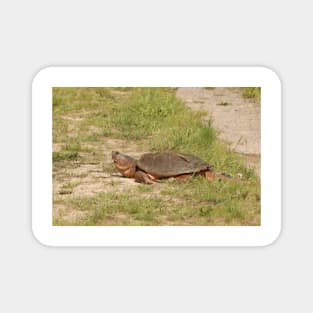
(38, 239)
(41, 73)
(273, 238)
(272, 74)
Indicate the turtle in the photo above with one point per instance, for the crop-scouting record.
(151, 167)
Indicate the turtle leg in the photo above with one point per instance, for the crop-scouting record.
(142, 177)
(183, 177)
(210, 176)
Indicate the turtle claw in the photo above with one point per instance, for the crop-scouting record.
(142, 177)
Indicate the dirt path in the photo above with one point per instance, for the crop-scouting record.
(237, 119)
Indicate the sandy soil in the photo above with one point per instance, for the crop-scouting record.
(237, 119)
(93, 173)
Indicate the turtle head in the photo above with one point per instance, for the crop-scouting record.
(125, 164)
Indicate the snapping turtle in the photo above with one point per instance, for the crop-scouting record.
(153, 166)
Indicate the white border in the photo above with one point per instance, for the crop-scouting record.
(156, 235)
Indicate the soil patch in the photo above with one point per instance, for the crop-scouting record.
(237, 119)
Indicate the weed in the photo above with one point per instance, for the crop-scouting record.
(223, 103)
(67, 188)
(61, 156)
(252, 92)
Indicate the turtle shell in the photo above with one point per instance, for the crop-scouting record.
(167, 164)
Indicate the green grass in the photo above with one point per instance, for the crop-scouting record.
(61, 156)
(193, 202)
(88, 121)
(252, 92)
(68, 188)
